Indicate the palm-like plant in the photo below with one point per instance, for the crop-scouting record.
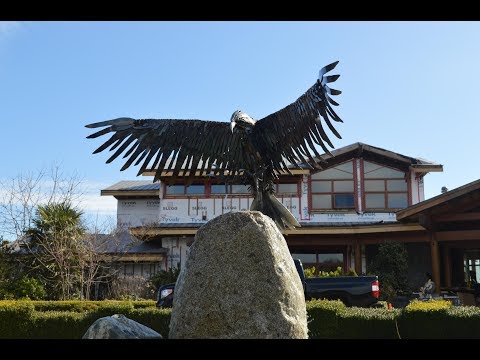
(56, 244)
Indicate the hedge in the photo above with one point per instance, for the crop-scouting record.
(326, 319)
(367, 323)
(15, 318)
(71, 319)
(322, 317)
(438, 319)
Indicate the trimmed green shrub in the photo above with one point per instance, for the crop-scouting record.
(326, 319)
(322, 318)
(425, 320)
(430, 305)
(15, 319)
(66, 305)
(59, 325)
(140, 304)
(155, 318)
(367, 323)
(463, 322)
(109, 308)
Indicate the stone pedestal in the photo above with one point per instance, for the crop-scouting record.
(239, 281)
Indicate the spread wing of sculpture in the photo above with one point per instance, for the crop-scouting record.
(242, 151)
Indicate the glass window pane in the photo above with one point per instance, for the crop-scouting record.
(305, 258)
(374, 185)
(218, 189)
(384, 172)
(175, 190)
(375, 201)
(347, 167)
(332, 174)
(321, 186)
(343, 201)
(287, 189)
(397, 201)
(368, 166)
(240, 189)
(195, 189)
(330, 258)
(396, 185)
(343, 186)
(322, 201)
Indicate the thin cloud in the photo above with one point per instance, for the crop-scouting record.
(87, 195)
(98, 204)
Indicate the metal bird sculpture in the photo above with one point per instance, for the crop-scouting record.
(246, 151)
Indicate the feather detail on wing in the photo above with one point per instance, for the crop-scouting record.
(292, 132)
(171, 145)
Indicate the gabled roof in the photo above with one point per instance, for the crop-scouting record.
(387, 157)
(454, 199)
(358, 149)
(125, 243)
(136, 187)
(121, 243)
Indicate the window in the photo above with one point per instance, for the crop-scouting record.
(129, 269)
(334, 188)
(286, 189)
(385, 188)
(221, 189)
(182, 190)
(328, 261)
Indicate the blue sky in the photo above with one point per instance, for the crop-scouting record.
(409, 87)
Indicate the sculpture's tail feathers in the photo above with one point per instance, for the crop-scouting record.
(270, 206)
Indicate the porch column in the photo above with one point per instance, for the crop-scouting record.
(447, 266)
(435, 254)
(358, 258)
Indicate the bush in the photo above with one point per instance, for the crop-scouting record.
(15, 319)
(391, 266)
(141, 304)
(155, 318)
(66, 305)
(367, 323)
(29, 288)
(430, 305)
(163, 277)
(322, 318)
(310, 272)
(109, 308)
(59, 325)
(463, 322)
(130, 288)
(326, 319)
(425, 320)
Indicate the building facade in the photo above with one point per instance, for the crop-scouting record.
(345, 210)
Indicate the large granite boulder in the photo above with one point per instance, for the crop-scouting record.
(239, 281)
(118, 326)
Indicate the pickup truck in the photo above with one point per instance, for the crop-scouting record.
(359, 291)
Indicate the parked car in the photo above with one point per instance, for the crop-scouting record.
(165, 296)
(362, 291)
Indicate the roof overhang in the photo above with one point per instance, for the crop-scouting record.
(165, 174)
(470, 191)
(154, 232)
(129, 193)
(425, 168)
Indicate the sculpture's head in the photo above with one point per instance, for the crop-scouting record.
(241, 119)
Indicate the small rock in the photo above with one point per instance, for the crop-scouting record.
(118, 326)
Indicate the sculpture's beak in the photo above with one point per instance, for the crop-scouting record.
(232, 125)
